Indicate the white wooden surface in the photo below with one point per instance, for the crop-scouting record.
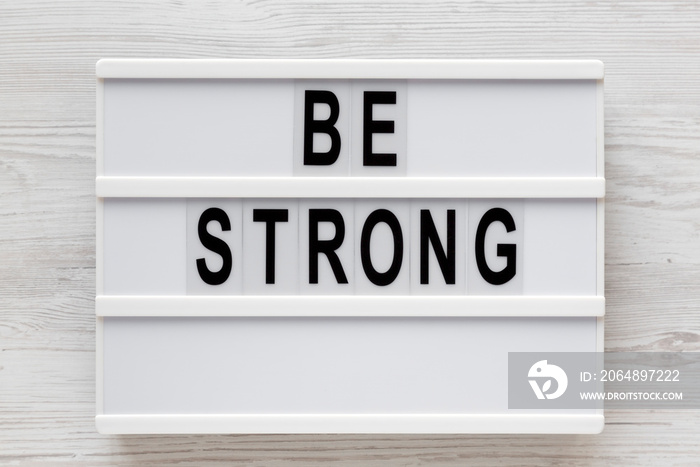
(48, 50)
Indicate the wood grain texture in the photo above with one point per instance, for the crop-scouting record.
(48, 49)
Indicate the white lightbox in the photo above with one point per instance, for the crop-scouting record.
(343, 246)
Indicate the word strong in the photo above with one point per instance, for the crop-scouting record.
(384, 239)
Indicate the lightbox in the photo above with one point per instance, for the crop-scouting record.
(343, 246)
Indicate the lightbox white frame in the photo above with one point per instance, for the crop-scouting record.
(293, 187)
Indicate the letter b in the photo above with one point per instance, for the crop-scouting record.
(312, 126)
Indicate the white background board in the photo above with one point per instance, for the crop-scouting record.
(483, 129)
(47, 145)
(533, 119)
(324, 365)
(147, 242)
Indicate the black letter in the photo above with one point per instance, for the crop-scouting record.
(312, 126)
(507, 250)
(381, 278)
(216, 245)
(376, 126)
(428, 234)
(327, 247)
(269, 217)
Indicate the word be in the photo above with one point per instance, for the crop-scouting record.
(370, 126)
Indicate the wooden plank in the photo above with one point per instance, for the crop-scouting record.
(47, 226)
